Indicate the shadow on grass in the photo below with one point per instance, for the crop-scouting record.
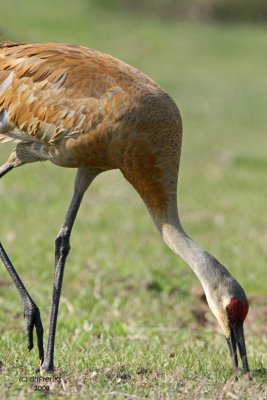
(259, 373)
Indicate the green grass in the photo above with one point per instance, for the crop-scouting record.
(129, 326)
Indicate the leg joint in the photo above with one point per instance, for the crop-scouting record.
(62, 243)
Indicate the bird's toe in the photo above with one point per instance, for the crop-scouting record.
(32, 314)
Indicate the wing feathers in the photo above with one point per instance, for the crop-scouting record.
(51, 91)
(4, 139)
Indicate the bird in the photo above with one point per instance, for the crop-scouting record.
(81, 108)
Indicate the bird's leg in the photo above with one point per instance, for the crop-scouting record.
(31, 311)
(4, 169)
(83, 179)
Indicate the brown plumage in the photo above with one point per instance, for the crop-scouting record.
(84, 109)
(81, 108)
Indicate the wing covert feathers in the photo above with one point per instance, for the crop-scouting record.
(49, 92)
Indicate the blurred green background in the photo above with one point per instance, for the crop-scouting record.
(127, 302)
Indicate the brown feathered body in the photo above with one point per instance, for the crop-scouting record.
(78, 107)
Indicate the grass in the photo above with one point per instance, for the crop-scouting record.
(131, 324)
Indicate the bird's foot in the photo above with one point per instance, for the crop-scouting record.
(248, 377)
(47, 366)
(32, 314)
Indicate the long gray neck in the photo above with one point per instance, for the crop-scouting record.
(217, 282)
(208, 270)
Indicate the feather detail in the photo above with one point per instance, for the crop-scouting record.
(54, 94)
(5, 139)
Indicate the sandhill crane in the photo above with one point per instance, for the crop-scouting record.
(80, 108)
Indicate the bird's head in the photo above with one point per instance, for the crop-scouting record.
(230, 307)
(234, 315)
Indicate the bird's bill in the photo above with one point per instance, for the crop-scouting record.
(237, 340)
